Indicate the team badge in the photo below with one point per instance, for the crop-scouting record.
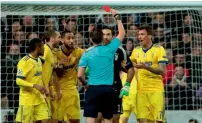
(116, 56)
(19, 72)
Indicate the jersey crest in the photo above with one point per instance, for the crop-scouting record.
(19, 72)
(116, 56)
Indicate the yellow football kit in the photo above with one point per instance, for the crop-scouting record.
(47, 69)
(150, 88)
(48, 65)
(54, 103)
(69, 105)
(32, 105)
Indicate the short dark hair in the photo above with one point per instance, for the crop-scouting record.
(34, 43)
(195, 121)
(50, 34)
(65, 32)
(96, 36)
(108, 28)
(147, 28)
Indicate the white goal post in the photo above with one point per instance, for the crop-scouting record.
(90, 7)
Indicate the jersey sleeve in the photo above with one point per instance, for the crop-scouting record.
(129, 63)
(23, 68)
(45, 53)
(162, 58)
(133, 56)
(114, 44)
(83, 62)
(124, 57)
(80, 52)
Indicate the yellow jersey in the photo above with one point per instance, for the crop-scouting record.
(148, 81)
(47, 65)
(30, 69)
(69, 79)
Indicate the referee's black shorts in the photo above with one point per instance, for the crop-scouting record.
(100, 98)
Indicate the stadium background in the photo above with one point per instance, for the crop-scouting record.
(178, 31)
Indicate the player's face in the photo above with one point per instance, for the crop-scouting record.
(107, 36)
(57, 40)
(143, 37)
(68, 40)
(41, 49)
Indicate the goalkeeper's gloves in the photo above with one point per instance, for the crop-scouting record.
(125, 90)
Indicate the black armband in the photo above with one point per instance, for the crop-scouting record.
(117, 17)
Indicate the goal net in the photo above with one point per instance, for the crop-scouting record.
(176, 26)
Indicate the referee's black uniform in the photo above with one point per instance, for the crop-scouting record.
(120, 56)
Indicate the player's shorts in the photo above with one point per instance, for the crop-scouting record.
(129, 105)
(69, 105)
(27, 113)
(118, 103)
(151, 106)
(99, 98)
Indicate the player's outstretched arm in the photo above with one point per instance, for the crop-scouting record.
(121, 29)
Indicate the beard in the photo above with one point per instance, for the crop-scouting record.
(69, 46)
(106, 41)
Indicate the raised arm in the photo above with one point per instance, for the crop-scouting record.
(121, 29)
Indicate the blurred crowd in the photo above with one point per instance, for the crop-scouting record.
(179, 32)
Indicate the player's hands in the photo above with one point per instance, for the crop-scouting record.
(123, 64)
(141, 65)
(59, 95)
(52, 96)
(40, 88)
(125, 90)
(47, 92)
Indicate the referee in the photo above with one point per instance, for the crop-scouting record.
(100, 95)
(119, 58)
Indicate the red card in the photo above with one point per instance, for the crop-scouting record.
(106, 8)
